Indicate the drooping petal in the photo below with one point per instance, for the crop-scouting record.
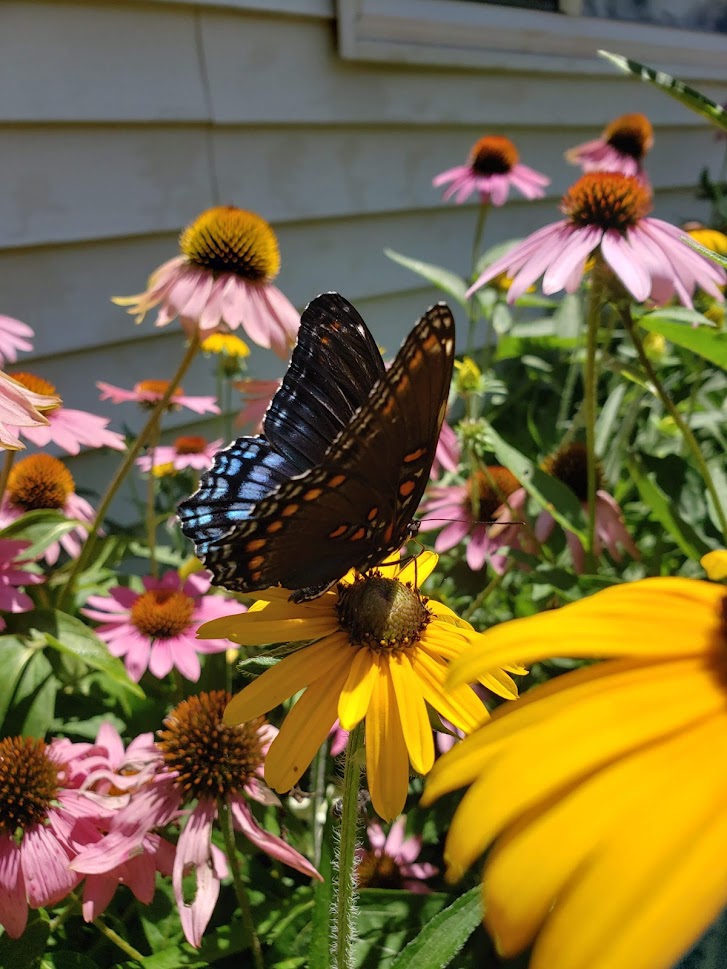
(412, 713)
(13, 904)
(194, 853)
(275, 847)
(387, 763)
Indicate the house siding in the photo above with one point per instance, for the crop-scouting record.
(119, 122)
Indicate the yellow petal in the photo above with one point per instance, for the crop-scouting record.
(500, 684)
(413, 713)
(461, 705)
(303, 731)
(418, 569)
(653, 885)
(650, 618)
(715, 564)
(559, 750)
(356, 693)
(524, 874)
(285, 679)
(387, 763)
(258, 629)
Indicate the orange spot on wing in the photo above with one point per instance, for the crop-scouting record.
(373, 513)
(256, 561)
(255, 576)
(337, 532)
(312, 494)
(406, 488)
(274, 526)
(336, 481)
(431, 342)
(289, 510)
(358, 535)
(414, 455)
(255, 544)
(389, 531)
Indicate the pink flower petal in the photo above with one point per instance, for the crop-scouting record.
(13, 904)
(194, 854)
(275, 847)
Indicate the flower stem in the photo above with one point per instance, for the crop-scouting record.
(684, 428)
(482, 214)
(125, 467)
(590, 387)
(345, 934)
(151, 490)
(318, 773)
(5, 473)
(228, 833)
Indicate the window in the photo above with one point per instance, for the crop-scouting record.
(504, 36)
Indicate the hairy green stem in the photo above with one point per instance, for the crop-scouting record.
(228, 834)
(124, 468)
(318, 773)
(684, 428)
(590, 388)
(346, 887)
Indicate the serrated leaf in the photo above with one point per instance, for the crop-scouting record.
(449, 282)
(662, 508)
(41, 528)
(443, 937)
(675, 88)
(711, 344)
(74, 638)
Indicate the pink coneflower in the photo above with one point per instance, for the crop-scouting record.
(69, 429)
(149, 392)
(202, 764)
(45, 820)
(188, 451)
(108, 769)
(622, 146)
(43, 481)
(13, 576)
(256, 396)
(14, 336)
(157, 628)
(20, 407)
(569, 465)
(606, 213)
(391, 861)
(492, 495)
(492, 168)
(447, 454)
(223, 279)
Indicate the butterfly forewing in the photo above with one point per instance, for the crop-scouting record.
(355, 506)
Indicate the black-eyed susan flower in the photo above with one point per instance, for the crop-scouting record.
(604, 790)
(493, 167)
(607, 213)
(621, 147)
(222, 280)
(379, 652)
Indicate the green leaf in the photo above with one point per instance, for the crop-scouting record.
(67, 960)
(41, 528)
(552, 494)
(24, 953)
(704, 341)
(14, 657)
(72, 637)
(31, 709)
(663, 510)
(677, 89)
(387, 920)
(449, 282)
(442, 938)
(709, 253)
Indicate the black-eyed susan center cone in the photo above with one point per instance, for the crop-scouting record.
(379, 652)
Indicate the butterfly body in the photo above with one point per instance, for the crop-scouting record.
(334, 481)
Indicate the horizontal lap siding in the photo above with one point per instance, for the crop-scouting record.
(120, 121)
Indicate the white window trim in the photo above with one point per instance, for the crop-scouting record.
(451, 33)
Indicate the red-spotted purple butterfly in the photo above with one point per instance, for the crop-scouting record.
(334, 480)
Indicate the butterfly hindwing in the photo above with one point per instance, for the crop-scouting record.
(355, 506)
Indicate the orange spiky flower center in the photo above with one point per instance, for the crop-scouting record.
(162, 613)
(226, 239)
(38, 386)
(630, 134)
(190, 444)
(607, 200)
(212, 760)
(489, 488)
(39, 481)
(493, 155)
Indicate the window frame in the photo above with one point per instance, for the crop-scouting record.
(456, 33)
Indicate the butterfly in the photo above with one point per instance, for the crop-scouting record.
(334, 480)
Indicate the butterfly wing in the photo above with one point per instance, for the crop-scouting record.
(333, 367)
(355, 508)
